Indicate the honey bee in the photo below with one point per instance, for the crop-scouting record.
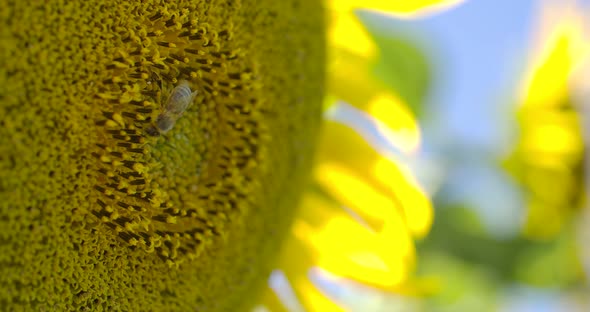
(178, 102)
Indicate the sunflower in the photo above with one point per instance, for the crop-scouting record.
(152, 155)
(151, 152)
(548, 159)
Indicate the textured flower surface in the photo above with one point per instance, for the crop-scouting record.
(102, 208)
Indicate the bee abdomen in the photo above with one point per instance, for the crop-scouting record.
(178, 102)
(180, 98)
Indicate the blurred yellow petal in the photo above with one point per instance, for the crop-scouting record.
(346, 32)
(355, 193)
(555, 133)
(356, 175)
(340, 144)
(563, 45)
(418, 210)
(549, 84)
(398, 6)
(315, 300)
(395, 121)
(297, 259)
(347, 249)
(350, 79)
(344, 247)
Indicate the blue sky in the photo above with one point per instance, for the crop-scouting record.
(479, 51)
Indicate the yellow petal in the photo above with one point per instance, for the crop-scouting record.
(314, 299)
(357, 176)
(398, 6)
(557, 134)
(345, 31)
(563, 45)
(355, 193)
(395, 121)
(417, 208)
(350, 80)
(346, 248)
(298, 258)
(549, 83)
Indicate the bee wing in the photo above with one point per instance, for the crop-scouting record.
(180, 98)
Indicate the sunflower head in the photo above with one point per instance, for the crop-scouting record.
(151, 153)
(548, 159)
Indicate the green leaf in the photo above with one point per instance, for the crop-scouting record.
(404, 67)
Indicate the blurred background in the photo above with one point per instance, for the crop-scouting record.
(451, 168)
(500, 93)
(499, 97)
